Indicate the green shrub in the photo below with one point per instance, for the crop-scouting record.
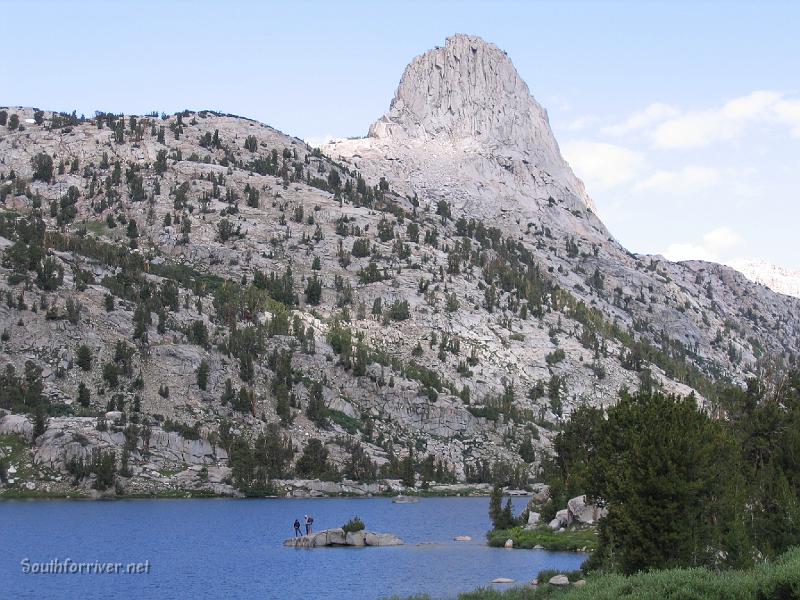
(353, 525)
(349, 424)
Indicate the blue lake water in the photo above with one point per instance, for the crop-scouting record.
(223, 548)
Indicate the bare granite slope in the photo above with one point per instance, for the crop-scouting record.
(436, 297)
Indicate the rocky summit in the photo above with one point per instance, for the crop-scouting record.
(198, 303)
(464, 122)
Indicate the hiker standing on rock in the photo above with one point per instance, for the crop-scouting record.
(297, 528)
(309, 523)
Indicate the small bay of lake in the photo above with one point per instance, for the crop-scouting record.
(225, 548)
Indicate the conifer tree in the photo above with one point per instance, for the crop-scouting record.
(202, 375)
(84, 357)
(665, 470)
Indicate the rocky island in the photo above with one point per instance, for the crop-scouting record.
(339, 537)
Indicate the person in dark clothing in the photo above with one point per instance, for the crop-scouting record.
(297, 528)
(309, 523)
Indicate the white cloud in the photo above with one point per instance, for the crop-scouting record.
(603, 165)
(788, 111)
(699, 128)
(721, 239)
(315, 141)
(581, 123)
(642, 119)
(669, 127)
(714, 245)
(686, 181)
(678, 252)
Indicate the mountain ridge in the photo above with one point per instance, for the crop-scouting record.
(430, 305)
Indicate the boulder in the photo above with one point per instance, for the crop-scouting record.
(381, 539)
(559, 580)
(355, 538)
(579, 583)
(18, 425)
(336, 537)
(585, 513)
(404, 500)
(564, 517)
(114, 416)
(541, 494)
(533, 519)
(305, 541)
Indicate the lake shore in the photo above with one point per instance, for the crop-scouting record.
(287, 489)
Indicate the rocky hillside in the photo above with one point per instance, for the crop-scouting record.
(224, 308)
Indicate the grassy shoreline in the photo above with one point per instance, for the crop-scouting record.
(776, 580)
(575, 539)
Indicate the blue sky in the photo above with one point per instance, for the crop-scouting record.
(682, 118)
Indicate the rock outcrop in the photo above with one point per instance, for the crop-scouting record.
(338, 537)
(16, 425)
(582, 512)
(578, 511)
(533, 519)
(462, 111)
(469, 91)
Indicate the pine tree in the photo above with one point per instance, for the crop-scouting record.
(202, 375)
(314, 460)
(660, 465)
(495, 505)
(526, 450)
(42, 167)
(84, 357)
(317, 411)
(228, 394)
(407, 475)
(313, 291)
(84, 397)
(160, 165)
